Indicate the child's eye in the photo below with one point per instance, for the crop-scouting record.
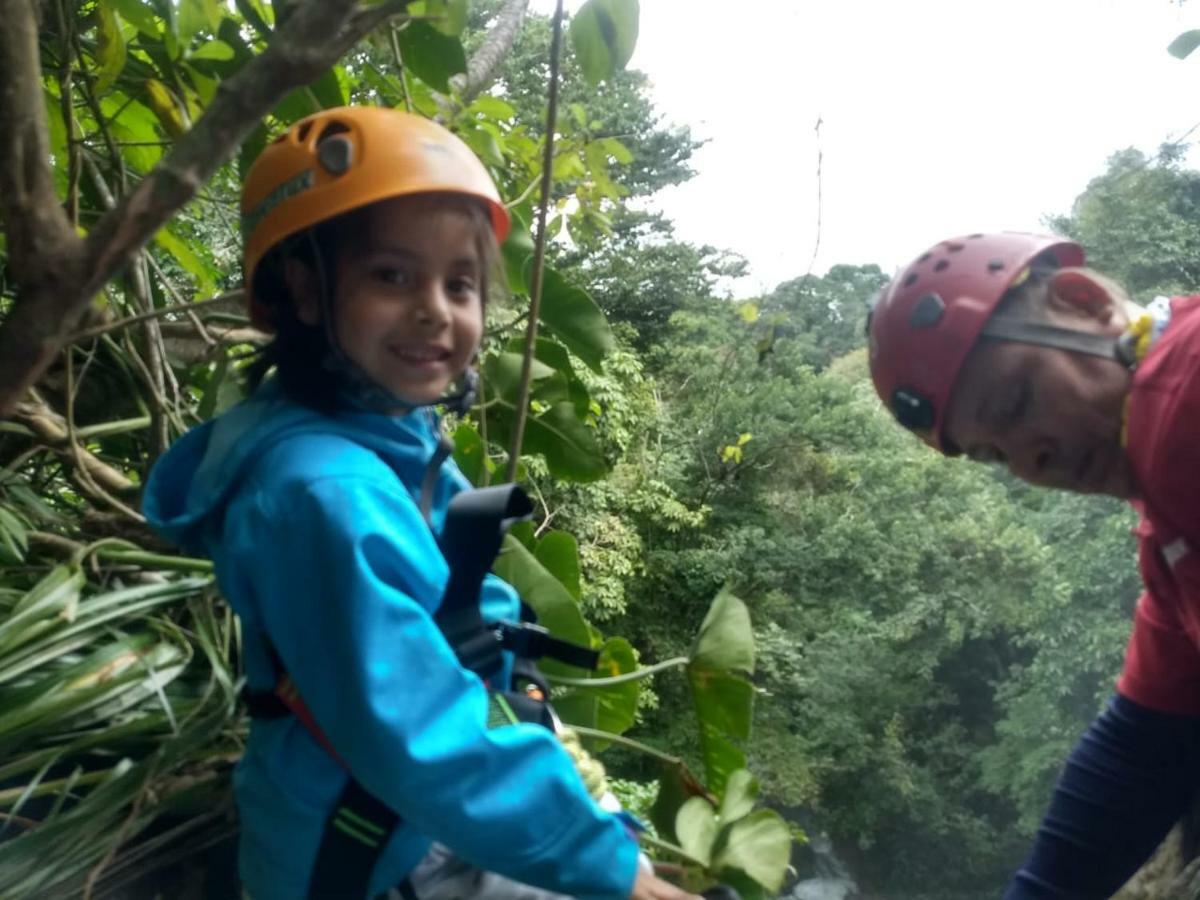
(392, 275)
(461, 286)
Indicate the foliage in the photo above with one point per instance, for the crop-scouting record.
(1140, 223)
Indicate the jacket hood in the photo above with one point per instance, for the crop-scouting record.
(189, 485)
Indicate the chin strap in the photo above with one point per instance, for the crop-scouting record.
(1043, 335)
(1129, 349)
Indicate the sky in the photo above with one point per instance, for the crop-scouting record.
(938, 117)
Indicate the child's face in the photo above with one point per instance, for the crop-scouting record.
(408, 308)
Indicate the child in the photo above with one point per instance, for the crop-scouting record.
(1006, 349)
(370, 239)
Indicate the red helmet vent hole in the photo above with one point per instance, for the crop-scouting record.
(942, 265)
(911, 279)
(924, 257)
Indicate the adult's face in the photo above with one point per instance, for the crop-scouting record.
(1053, 417)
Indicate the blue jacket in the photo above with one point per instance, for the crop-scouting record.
(313, 525)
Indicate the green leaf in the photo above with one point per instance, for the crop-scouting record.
(14, 538)
(141, 16)
(723, 701)
(569, 445)
(492, 108)
(721, 758)
(51, 601)
(517, 251)
(612, 708)
(195, 16)
(571, 315)
(110, 46)
(741, 790)
(469, 452)
(726, 639)
(558, 551)
(1183, 45)
(451, 15)
(190, 260)
(696, 828)
(218, 50)
(556, 609)
(430, 55)
(759, 845)
(604, 33)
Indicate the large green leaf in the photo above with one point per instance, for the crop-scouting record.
(759, 845)
(1183, 45)
(696, 828)
(725, 639)
(724, 701)
(571, 315)
(432, 56)
(110, 46)
(604, 33)
(558, 551)
(556, 609)
(611, 708)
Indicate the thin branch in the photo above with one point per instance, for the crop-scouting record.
(396, 54)
(66, 27)
(539, 257)
(154, 314)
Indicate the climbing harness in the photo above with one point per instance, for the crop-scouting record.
(360, 825)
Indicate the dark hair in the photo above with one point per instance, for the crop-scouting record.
(299, 352)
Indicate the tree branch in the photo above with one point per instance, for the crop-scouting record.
(482, 66)
(58, 274)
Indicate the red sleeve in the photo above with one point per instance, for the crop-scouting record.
(1162, 663)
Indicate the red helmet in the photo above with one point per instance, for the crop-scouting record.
(928, 318)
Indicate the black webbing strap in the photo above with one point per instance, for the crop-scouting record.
(356, 833)
(476, 522)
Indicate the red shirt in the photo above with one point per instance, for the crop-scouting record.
(1162, 663)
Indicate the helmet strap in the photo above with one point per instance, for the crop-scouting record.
(1020, 331)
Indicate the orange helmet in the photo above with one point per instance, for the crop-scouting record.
(341, 159)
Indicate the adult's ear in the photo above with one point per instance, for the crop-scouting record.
(1089, 295)
(301, 282)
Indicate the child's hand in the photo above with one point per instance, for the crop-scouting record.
(650, 887)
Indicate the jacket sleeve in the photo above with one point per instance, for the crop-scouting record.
(1128, 780)
(346, 573)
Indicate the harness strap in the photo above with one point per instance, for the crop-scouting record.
(356, 832)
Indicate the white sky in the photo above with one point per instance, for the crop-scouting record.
(940, 117)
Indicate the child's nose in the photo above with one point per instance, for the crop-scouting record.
(434, 306)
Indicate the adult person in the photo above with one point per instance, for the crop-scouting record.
(1007, 349)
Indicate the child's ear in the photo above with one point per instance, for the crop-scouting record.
(301, 283)
(1078, 292)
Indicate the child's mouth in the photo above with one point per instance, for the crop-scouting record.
(420, 356)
